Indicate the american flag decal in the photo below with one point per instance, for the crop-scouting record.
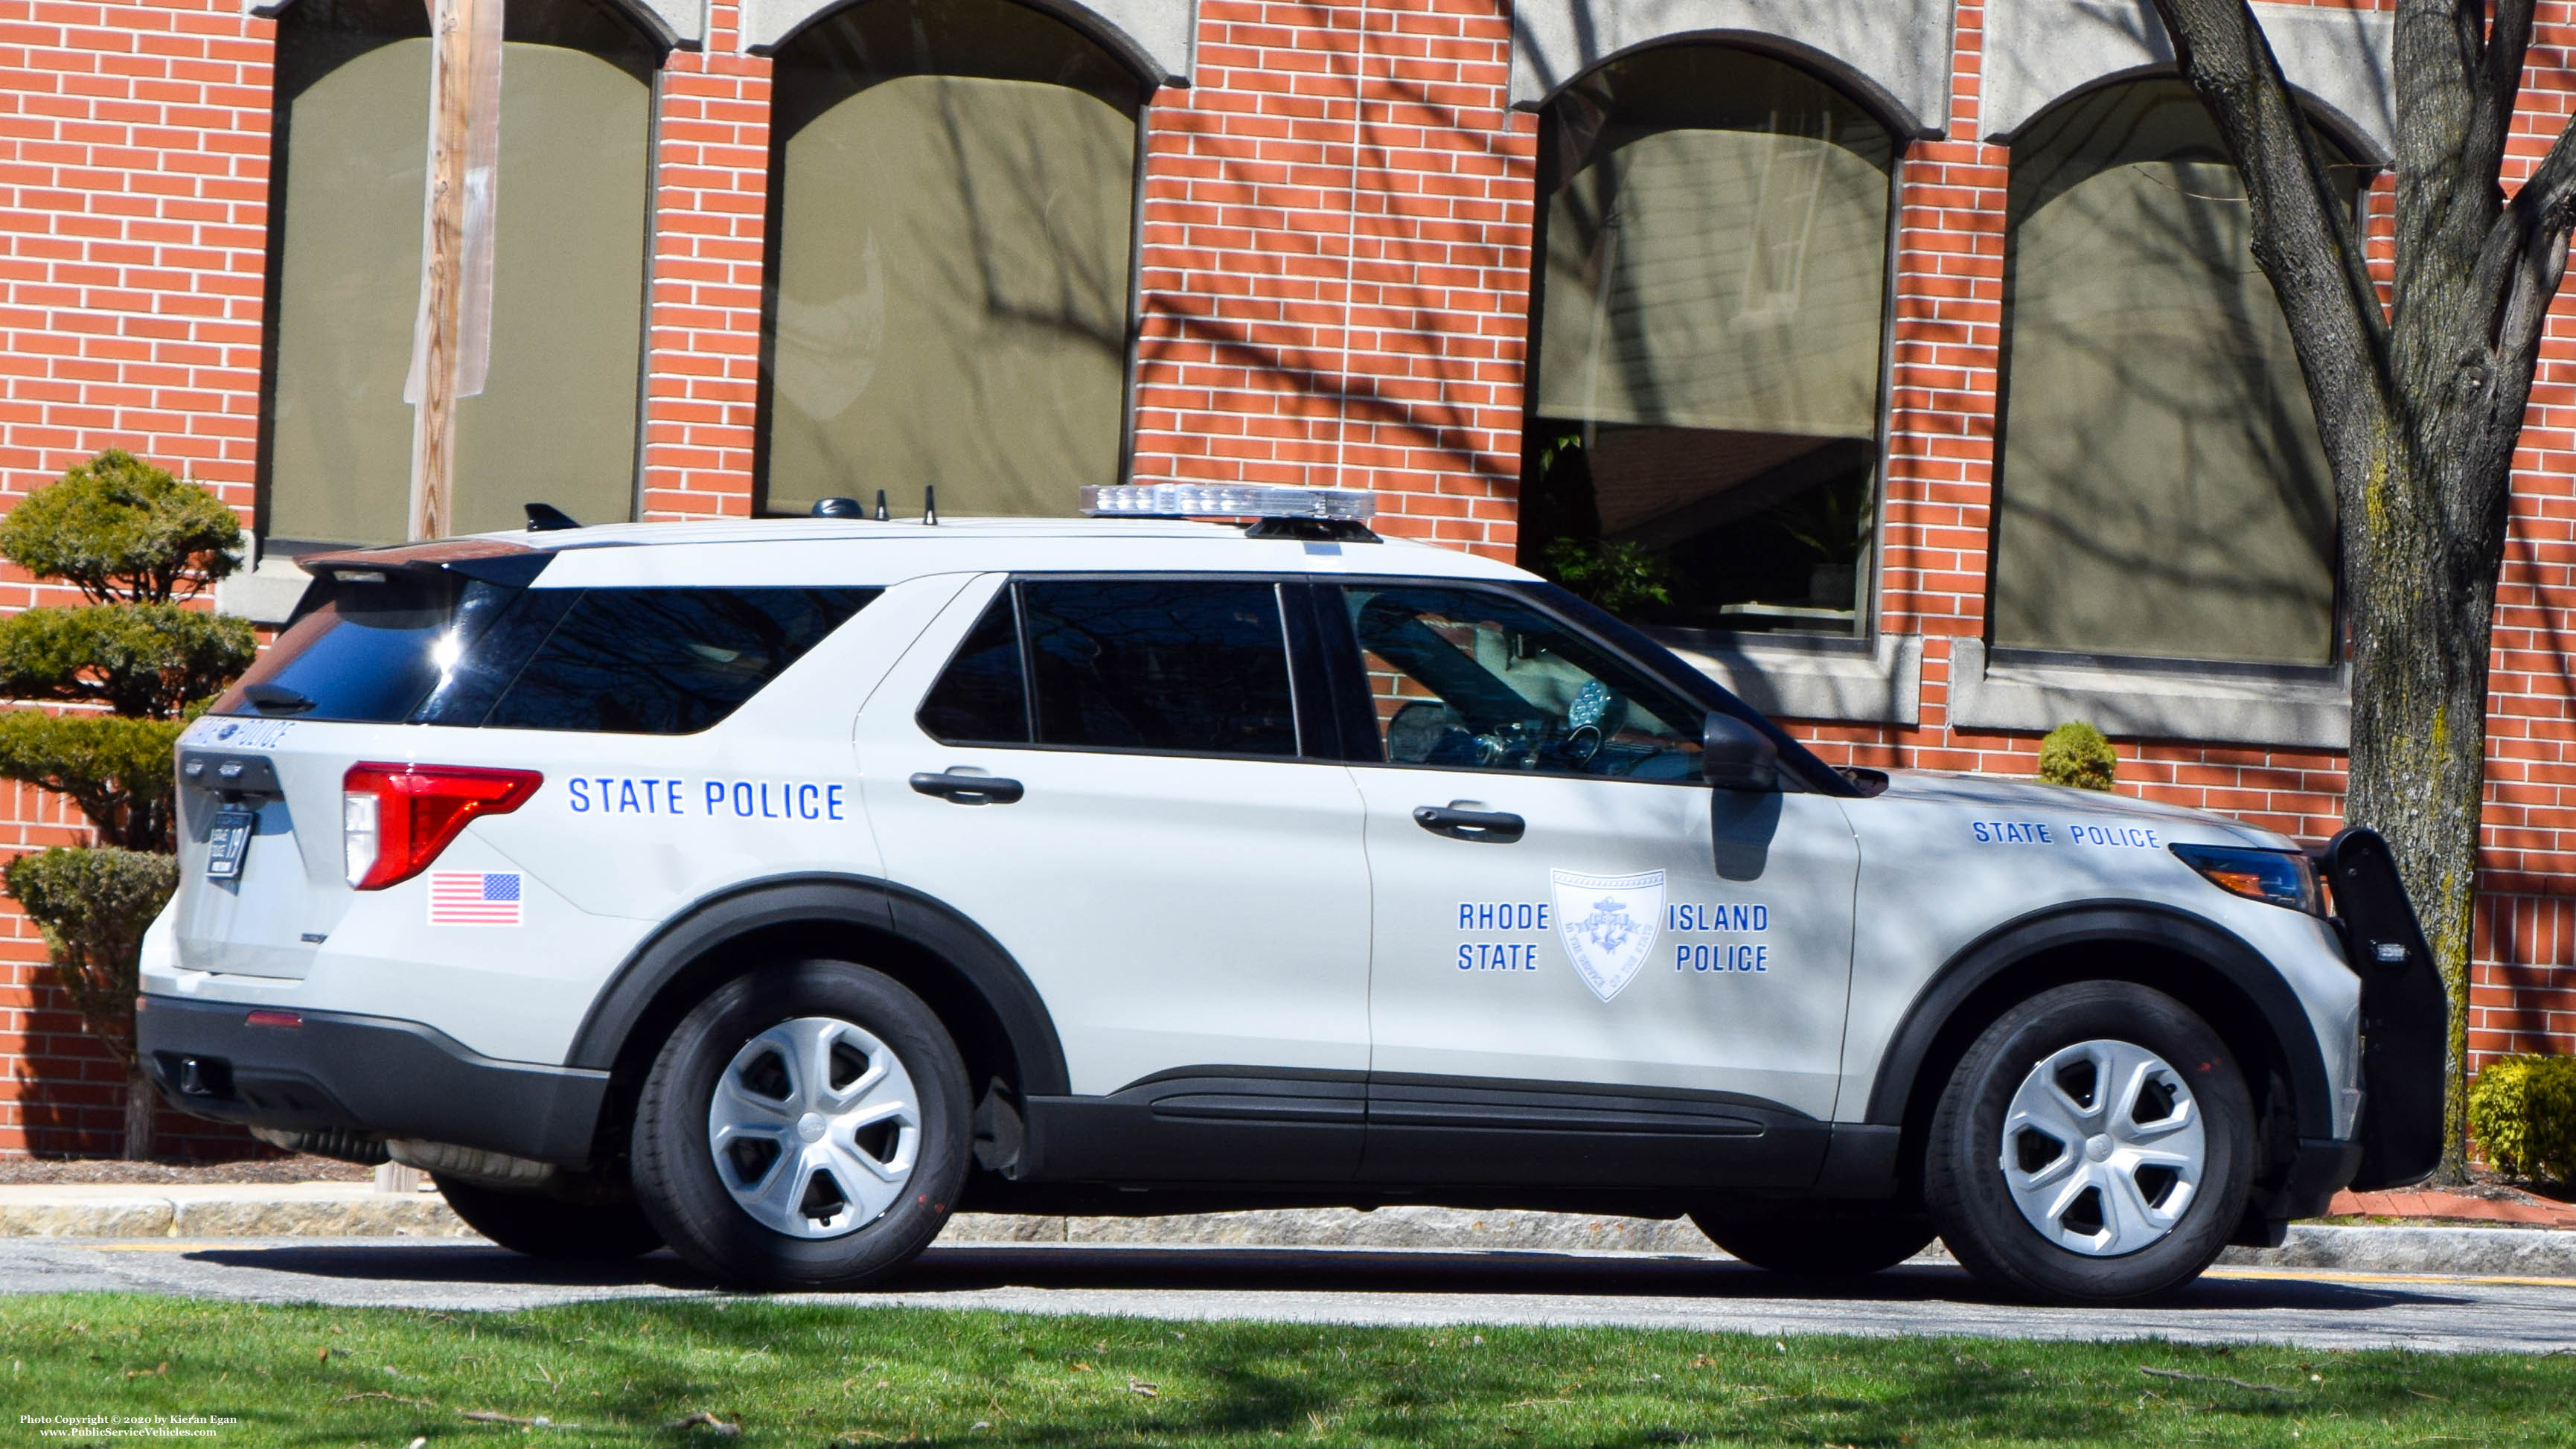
(474, 898)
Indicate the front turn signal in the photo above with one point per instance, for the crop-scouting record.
(2285, 878)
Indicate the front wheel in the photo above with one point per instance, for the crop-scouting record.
(2094, 1146)
(1822, 1245)
(806, 1126)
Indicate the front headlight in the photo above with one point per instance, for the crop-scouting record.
(2275, 877)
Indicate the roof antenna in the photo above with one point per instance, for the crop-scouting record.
(835, 508)
(546, 518)
(882, 515)
(930, 505)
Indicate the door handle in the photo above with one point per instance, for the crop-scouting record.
(1494, 827)
(968, 789)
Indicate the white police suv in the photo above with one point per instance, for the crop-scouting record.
(774, 890)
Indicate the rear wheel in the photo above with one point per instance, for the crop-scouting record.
(806, 1126)
(1822, 1245)
(2094, 1146)
(543, 1226)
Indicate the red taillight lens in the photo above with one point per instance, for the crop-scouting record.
(395, 819)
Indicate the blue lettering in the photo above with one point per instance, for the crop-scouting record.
(580, 795)
(1466, 958)
(715, 796)
(674, 795)
(832, 801)
(808, 798)
(626, 801)
(1980, 828)
(742, 798)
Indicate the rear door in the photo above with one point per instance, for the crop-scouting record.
(1110, 776)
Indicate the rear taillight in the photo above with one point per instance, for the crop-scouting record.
(395, 819)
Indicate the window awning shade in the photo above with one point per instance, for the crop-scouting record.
(953, 274)
(1727, 273)
(2163, 492)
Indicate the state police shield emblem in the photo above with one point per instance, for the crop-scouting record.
(1608, 924)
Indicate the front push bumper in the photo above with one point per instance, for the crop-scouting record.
(366, 1074)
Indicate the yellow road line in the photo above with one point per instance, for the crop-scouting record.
(2327, 1275)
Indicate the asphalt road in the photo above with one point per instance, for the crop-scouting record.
(2323, 1310)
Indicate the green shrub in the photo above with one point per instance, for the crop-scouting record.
(93, 906)
(123, 531)
(145, 660)
(2522, 1110)
(2076, 754)
(1616, 576)
(117, 771)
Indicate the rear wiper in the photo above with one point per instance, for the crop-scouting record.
(276, 699)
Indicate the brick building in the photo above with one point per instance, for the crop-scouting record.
(1900, 359)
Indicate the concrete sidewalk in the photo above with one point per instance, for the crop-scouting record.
(358, 1209)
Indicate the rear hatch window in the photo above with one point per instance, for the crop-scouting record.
(438, 646)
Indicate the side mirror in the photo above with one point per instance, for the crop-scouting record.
(1734, 755)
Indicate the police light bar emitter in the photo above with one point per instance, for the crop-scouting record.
(1226, 500)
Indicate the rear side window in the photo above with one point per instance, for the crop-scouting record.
(431, 648)
(1175, 666)
(665, 661)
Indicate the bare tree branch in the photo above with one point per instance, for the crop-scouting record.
(2307, 244)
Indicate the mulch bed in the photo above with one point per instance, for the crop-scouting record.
(109, 1169)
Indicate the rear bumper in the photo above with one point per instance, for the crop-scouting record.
(366, 1074)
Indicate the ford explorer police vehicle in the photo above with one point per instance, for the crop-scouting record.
(773, 890)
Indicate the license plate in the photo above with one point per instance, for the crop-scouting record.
(227, 843)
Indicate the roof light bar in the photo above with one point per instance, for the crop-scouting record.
(1227, 500)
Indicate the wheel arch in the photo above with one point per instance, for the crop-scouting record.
(2203, 965)
(975, 987)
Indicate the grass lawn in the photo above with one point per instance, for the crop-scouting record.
(658, 1373)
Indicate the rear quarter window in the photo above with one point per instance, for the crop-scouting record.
(429, 647)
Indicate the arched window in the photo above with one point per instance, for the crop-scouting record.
(1711, 325)
(556, 421)
(954, 198)
(2161, 489)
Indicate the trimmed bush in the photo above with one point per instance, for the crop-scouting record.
(123, 531)
(117, 771)
(2522, 1110)
(2076, 754)
(93, 906)
(146, 660)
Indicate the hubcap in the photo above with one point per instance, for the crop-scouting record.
(815, 1128)
(2103, 1148)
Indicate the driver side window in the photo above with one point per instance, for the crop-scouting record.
(1469, 679)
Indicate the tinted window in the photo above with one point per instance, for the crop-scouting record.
(981, 698)
(1197, 668)
(1466, 679)
(367, 648)
(665, 661)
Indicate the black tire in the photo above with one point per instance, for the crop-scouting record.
(675, 1170)
(544, 1226)
(1822, 1244)
(1964, 1175)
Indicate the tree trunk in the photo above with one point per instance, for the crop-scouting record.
(141, 1098)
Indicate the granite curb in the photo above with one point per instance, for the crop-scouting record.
(345, 1210)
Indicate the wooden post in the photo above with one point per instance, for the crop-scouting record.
(433, 466)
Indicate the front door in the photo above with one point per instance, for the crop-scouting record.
(1580, 948)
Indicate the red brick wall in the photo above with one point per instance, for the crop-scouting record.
(1334, 259)
(133, 204)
